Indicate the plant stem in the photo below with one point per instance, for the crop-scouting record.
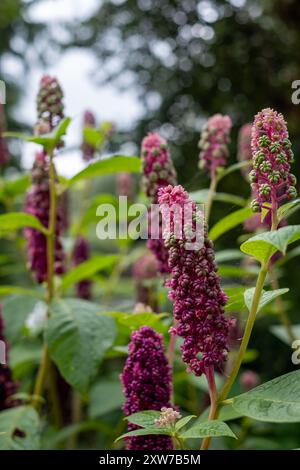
(45, 361)
(211, 194)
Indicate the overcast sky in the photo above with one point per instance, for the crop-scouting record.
(74, 70)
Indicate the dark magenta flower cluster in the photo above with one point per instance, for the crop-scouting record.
(272, 181)
(194, 287)
(158, 171)
(7, 386)
(213, 143)
(244, 153)
(81, 253)
(88, 151)
(50, 108)
(146, 380)
(38, 204)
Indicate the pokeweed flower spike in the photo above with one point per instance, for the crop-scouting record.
(244, 153)
(81, 253)
(271, 180)
(213, 143)
(194, 288)
(145, 270)
(50, 108)
(7, 386)
(88, 151)
(146, 381)
(38, 204)
(4, 155)
(158, 171)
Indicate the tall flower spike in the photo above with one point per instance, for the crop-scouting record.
(7, 386)
(194, 287)
(38, 204)
(213, 143)
(50, 108)
(146, 381)
(244, 148)
(81, 253)
(158, 171)
(272, 182)
(144, 270)
(4, 155)
(88, 151)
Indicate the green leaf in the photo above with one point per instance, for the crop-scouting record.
(114, 164)
(133, 321)
(145, 432)
(229, 222)
(183, 422)
(230, 169)
(16, 422)
(15, 311)
(15, 220)
(24, 357)
(86, 269)
(144, 419)
(289, 208)
(228, 255)
(78, 339)
(236, 300)
(11, 290)
(214, 428)
(280, 332)
(276, 401)
(266, 297)
(14, 186)
(201, 197)
(264, 245)
(94, 137)
(105, 396)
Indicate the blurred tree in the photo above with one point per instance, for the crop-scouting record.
(188, 59)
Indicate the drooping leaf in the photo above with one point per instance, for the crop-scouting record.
(86, 269)
(229, 222)
(78, 337)
(114, 164)
(214, 428)
(19, 429)
(276, 401)
(289, 208)
(264, 245)
(16, 220)
(266, 297)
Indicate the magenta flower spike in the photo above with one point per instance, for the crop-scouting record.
(195, 290)
(50, 108)
(81, 253)
(158, 172)
(213, 143)
(88, 151)
(244, 153)
(7, 386)
(4, 155)
(146, 381)
(125, 185)
(38, 204)
(272, 181)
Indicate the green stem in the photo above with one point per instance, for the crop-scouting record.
(211, 194)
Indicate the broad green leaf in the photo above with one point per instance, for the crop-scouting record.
(145, 419)
(24, 357)
(15, 311)
(266, 297)
(264, 245)
(145, 432)
(114, 164)
(230, 169)
(86, 269)
(276, 401)
(214, 428)
(105, 396)
(183, 422)
(15, 220)
(236, 300)
(201, 197)
(280, 332)
(136, 320)
(11, 290)
(19, 429)
(60, 130)
(78, 338)
(13, 187)
(289, 208)
(229, 222)
(228, 255)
